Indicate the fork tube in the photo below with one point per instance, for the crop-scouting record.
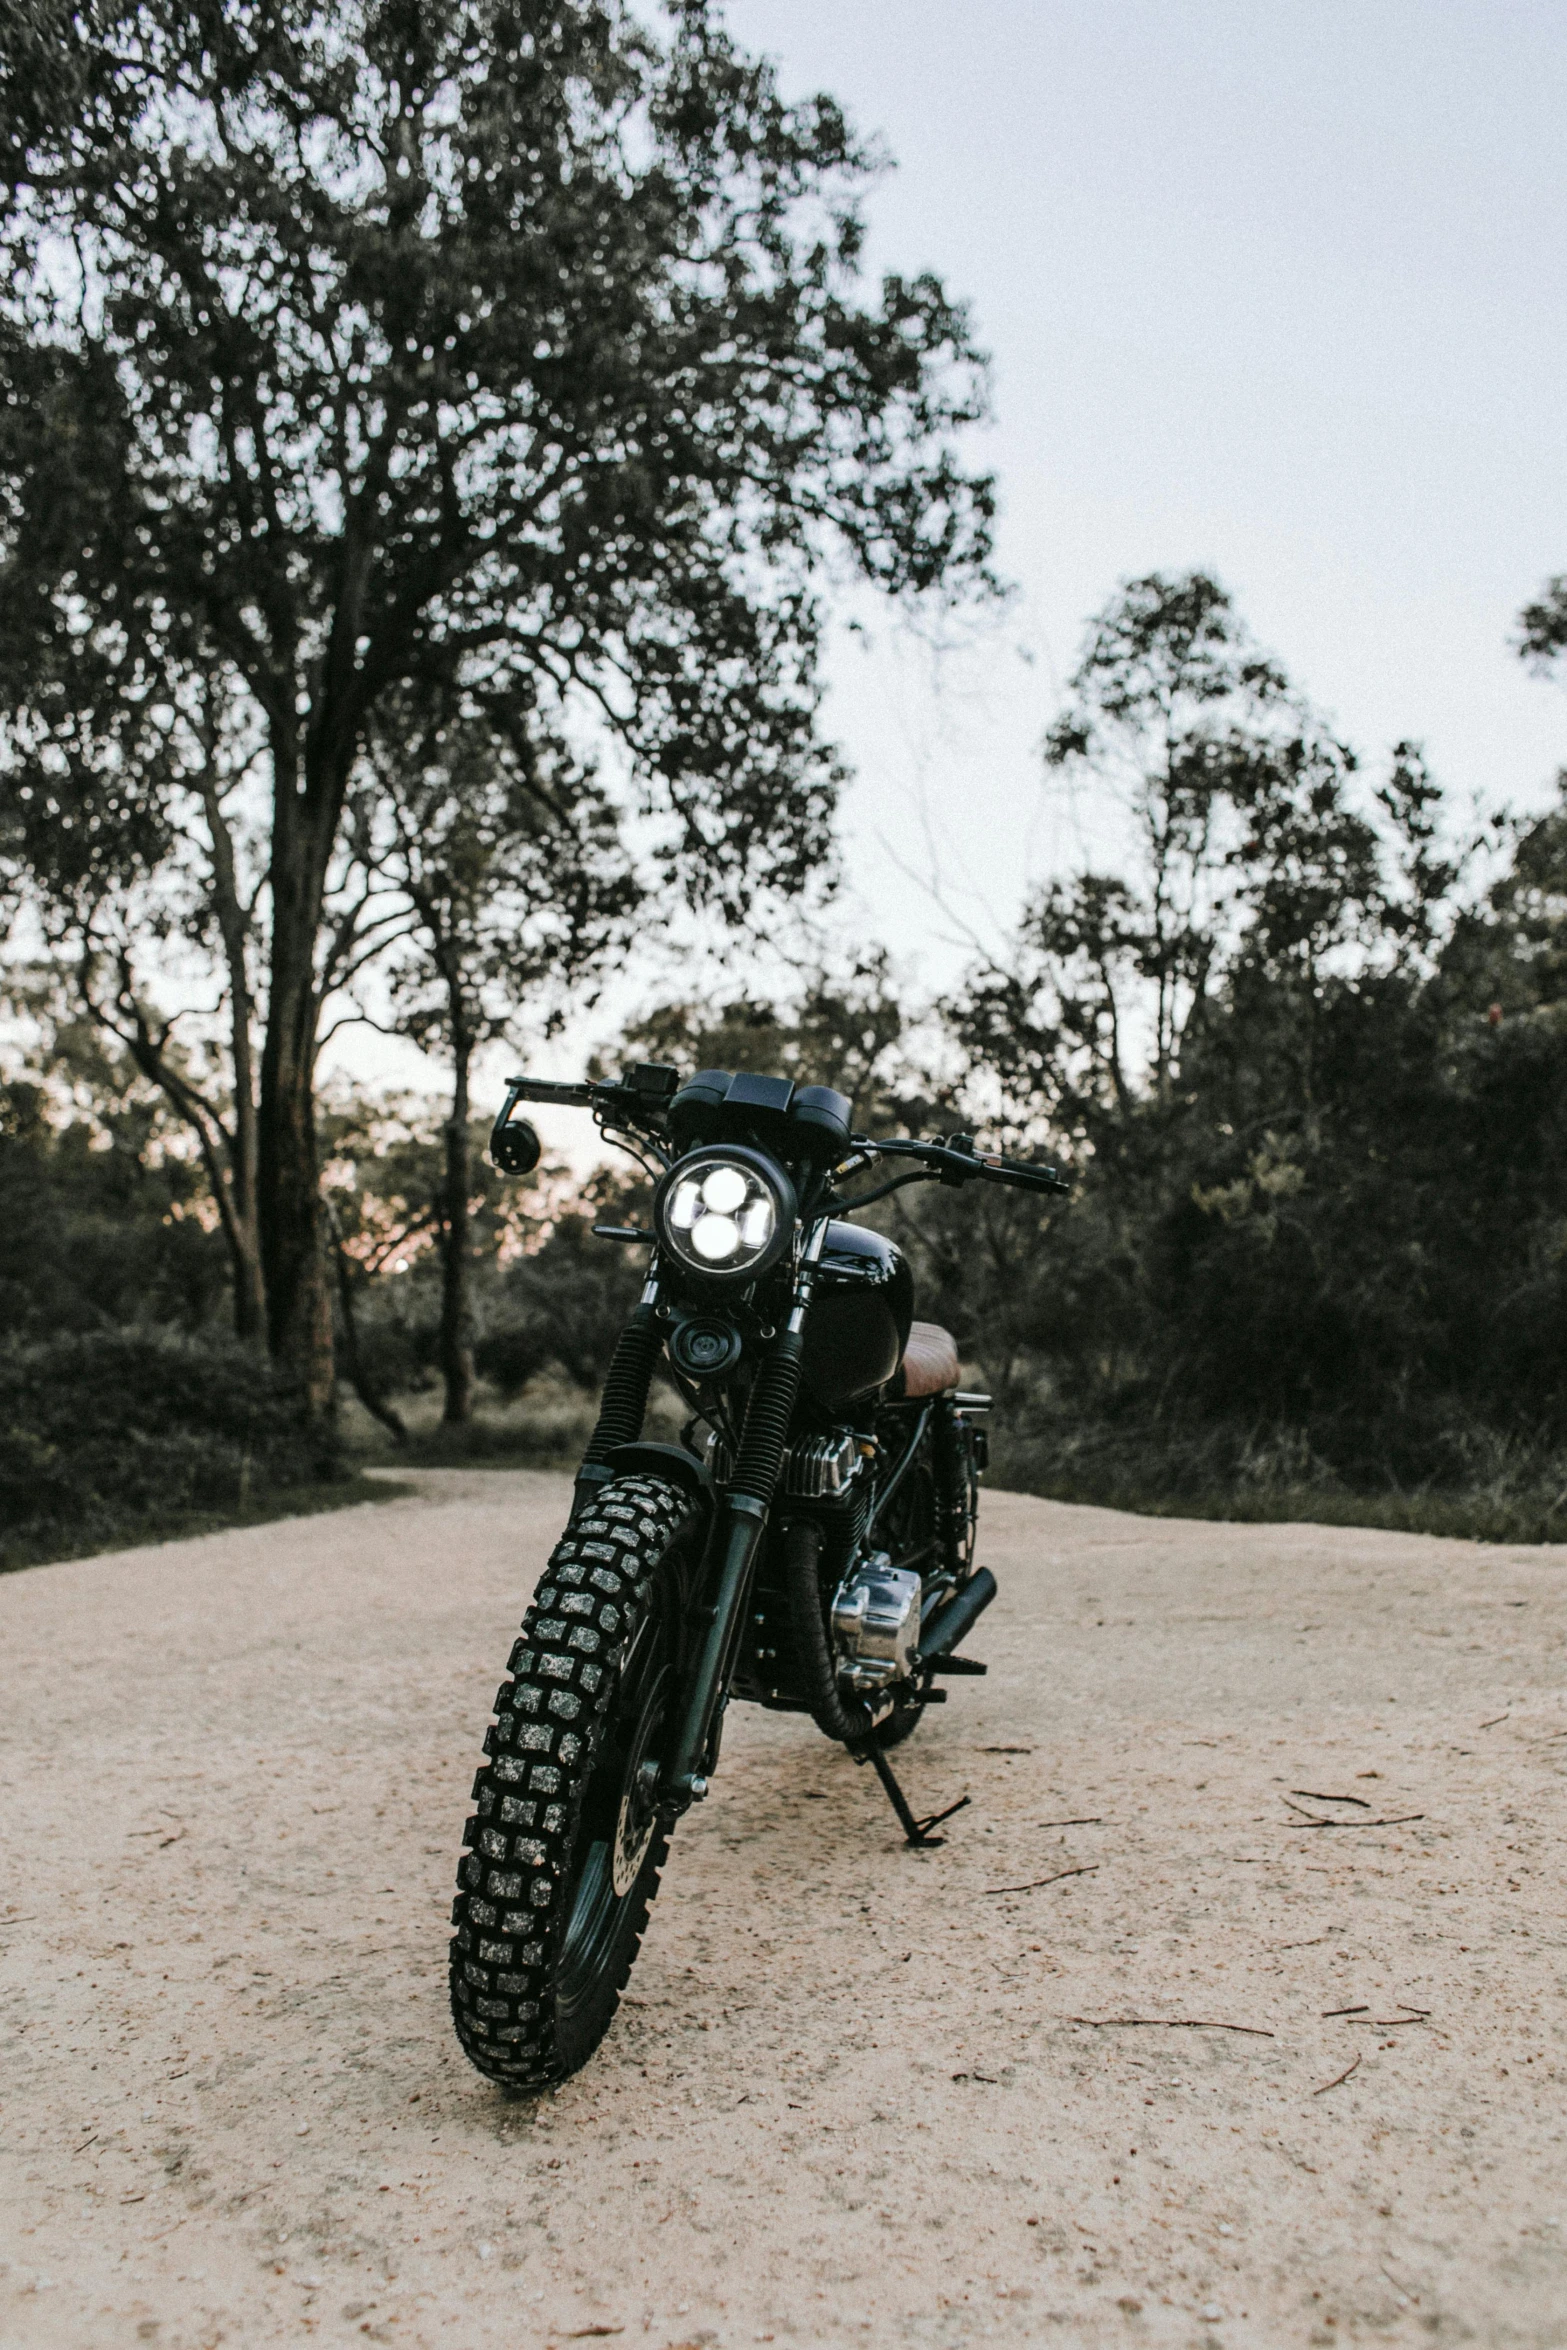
(623, 1407)
(762, 1443)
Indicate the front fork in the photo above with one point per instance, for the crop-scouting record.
(747, 1505)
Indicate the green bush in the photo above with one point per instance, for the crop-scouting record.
(106, 1433)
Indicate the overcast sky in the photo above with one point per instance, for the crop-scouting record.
(1273, 288)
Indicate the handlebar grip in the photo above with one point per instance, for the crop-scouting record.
(539, 1089)
(1022, 1176)
(961, 1160)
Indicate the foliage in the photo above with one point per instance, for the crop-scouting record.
(1302, 1050)
(1310, 1083)
(490, 352)
(845, 1027)
(108, 1433)
(101, 1204)
(1542, 625)
(565, 1304)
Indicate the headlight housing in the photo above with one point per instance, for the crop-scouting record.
(726, 1213)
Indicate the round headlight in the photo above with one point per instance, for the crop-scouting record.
(727, 1214)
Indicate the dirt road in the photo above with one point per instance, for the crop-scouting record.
(1225, 2077)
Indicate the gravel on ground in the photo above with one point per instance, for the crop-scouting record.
(1231, 2012)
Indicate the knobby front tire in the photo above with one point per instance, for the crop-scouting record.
(564, 1848)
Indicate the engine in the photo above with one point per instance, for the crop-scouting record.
(876, 1624)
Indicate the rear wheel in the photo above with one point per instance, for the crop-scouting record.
(565, 1847)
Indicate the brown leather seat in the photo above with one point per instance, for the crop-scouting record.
(930, 1361)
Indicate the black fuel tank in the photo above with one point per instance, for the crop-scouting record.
(859, 1320)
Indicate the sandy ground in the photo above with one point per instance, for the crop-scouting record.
(858, 2095)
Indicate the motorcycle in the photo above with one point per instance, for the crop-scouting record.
(808, 1546)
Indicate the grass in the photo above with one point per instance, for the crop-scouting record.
(1510, 1491)
(1459, 1516)
(546, 1427)
(1513, 1491)
(288, 1501)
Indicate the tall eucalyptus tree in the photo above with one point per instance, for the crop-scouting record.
(354, 345)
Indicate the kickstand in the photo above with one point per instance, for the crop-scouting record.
(916, 1832)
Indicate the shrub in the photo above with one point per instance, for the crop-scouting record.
(106, 1432)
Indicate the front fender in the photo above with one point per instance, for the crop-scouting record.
(670, 1461)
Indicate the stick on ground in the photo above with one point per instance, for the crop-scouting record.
(1034, 1886)
(1168, 2023)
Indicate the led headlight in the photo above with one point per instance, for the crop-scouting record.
(726, 1214)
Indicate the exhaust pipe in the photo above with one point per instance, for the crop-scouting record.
(957, 1619)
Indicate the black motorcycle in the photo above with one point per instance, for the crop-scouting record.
(809, 1546)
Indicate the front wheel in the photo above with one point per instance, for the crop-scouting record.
(565, 1846)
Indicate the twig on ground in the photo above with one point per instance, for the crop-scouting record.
(1495, 1718)
(1006, 1750)
(1361, 2010)
(1400, 1820)
(1312, 1796)
(1312, 1944)
(1089, 1823)
(1168, 2023)
(1336, 2080)
(1034, 1886)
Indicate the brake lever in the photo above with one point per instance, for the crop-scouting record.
(993, 1166)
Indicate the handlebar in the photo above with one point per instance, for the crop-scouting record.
(539, 1089)
(636, 1102)
(630, 1105)
(959, 1160)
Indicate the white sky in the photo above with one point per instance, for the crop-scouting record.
(1274, 288)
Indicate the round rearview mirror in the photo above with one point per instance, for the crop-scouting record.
(516, 1148)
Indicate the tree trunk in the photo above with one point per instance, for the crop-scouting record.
(230, 1171)
(288, 1194)
(250, 1301)
(299, 1315)
(369, 1391)
(456, 1292)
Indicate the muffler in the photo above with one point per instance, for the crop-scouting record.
(957, 1618)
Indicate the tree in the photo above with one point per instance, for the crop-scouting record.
(1244, 849)
(507, 856)
(101, 1197)
(843, 1029)
(385, 1161)
(489, 346)
(1542, 625)
(144, 850)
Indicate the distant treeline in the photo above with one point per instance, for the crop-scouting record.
(407, 642)
(1302, 1048)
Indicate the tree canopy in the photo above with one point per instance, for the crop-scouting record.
(497, 348)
